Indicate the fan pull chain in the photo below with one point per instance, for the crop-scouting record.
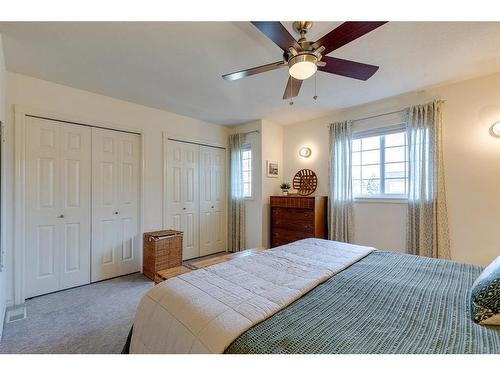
(291, 90)
(315, 97)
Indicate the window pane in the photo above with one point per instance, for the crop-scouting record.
(396, 186)
(370, 143)
(370, 187)
(247, 177)
(397, 139)
(246, 171)
(356, 173)
(395, 170)
(356, 187)
(367, 168)
(246, 190)
(395, 154)
(356, 158)
(370, 157)
(356, 144)
(370, 171)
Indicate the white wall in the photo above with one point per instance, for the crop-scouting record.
(253, 206)
(472, 168)
(3, 273)
(266, 145)
(314, 134)
(92, 108)
(272, 149)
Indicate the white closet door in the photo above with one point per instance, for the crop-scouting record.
(115, 204)
(219, 199)
(75, 198)
(212, 200)
(183, 194)
(57, 206)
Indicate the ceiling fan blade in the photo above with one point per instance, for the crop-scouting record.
(345, 33)
(250, 72)
(347, 68)
(292, 88)
(277, 33)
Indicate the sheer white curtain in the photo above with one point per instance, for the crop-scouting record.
(427, 229)
(340, 197)
(236, 200)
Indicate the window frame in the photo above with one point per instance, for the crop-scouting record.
(247, 147)
(382, 132)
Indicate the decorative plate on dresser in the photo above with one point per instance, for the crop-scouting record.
(305, 182)
(297, 217)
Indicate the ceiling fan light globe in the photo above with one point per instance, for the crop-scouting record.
(302, 66)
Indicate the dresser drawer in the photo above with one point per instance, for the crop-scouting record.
(293, 214)
(293, 202)
(283, 236)
(293, 219)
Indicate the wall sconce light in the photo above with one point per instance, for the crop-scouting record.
(305, 152)
(495, 129)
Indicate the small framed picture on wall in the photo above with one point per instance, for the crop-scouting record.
(272, 168)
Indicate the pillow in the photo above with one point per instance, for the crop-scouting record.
(485, 295)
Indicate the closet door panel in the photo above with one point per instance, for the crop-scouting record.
(219, 189)
(46, 253)
(206, 201)
(183, 194)
(75, 203)
(128, 203)
(57, 206)
(105, 182)
(42, 207)
(190, 200)
(212, 200)
(175, 170)
(115, 236)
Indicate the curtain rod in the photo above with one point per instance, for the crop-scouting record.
(379, 115)
(250, 132)
(374, 116)
(388, 113)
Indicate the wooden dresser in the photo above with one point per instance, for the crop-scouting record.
(296, 217)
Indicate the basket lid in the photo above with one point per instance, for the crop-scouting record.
(162, 233)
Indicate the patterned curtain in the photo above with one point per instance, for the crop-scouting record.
(236, 200)
(340, 197)
(427, 229)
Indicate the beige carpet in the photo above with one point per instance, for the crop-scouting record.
(94, 318)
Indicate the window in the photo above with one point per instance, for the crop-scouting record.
(246, 170)
(380, 164)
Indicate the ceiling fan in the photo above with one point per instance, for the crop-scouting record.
(304, 57)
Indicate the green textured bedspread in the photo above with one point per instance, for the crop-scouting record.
(386, 303)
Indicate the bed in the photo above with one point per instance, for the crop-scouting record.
(317, 296)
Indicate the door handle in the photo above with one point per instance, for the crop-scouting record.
(60, 216)
(116, 212)
(183, 208)
(212, 207)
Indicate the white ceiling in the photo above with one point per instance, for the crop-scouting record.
(177, 66)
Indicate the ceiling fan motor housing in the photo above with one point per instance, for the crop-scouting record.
(303, 63)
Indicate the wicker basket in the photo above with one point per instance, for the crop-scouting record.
(162, 250)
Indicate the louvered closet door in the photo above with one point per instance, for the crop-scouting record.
(183, 194)
(57, 206)
(212, 200)
(115, 204)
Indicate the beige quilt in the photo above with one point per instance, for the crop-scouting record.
(205, 310)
